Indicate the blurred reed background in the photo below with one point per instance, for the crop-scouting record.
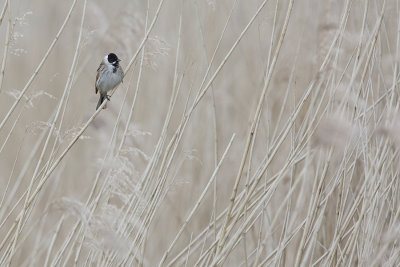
(245, 133)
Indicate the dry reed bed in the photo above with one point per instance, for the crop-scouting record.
(246, 133)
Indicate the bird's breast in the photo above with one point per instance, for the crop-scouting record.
(108, 81)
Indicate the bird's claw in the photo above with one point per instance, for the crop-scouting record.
(108, 97)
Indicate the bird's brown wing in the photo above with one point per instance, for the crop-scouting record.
(97, 76)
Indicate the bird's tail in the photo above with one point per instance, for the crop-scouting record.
(101, 99)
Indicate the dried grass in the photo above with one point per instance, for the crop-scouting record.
(246, 133)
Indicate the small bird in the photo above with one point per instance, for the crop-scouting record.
(109, 75)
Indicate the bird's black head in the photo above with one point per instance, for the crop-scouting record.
(113, 59)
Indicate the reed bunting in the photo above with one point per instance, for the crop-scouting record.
(109, 75)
